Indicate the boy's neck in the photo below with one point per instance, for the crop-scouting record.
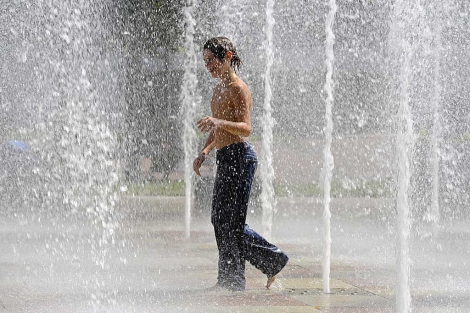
(228, 78)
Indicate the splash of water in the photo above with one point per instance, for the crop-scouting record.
(404, 147)
(189, 99)
(435, 214)
(232, 19)
(403, 19)
(74, 104)
(268, 200)
(328, 161)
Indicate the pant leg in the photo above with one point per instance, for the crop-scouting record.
(266, 257)
(228, 218)
(236, 241)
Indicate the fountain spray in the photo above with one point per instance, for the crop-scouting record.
(435, 214)
(328, 161)
(402, 44)
(188, 108)
(268, 201)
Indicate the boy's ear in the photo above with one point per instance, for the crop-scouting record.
(228, 55)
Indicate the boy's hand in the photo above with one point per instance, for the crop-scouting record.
(208, 123)
(198, 162)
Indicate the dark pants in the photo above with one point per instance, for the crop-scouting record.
(236, 241)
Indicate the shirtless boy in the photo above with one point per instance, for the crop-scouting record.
(228, 128)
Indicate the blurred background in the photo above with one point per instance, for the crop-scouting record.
(92, 123)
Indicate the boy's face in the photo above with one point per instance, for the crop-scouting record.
(213, 64)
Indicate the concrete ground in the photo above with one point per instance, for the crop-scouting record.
(68, 263)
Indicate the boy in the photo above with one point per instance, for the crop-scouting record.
(228, 128)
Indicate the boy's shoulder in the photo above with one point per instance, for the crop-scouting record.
(240, 86)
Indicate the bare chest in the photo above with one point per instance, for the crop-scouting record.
(222, 106)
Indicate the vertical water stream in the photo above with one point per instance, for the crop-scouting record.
(268, 201)
(402, 46)
(188, 108)
(435, 214)
(328, 161)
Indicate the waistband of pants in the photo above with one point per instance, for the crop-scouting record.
(237, 146)
(231, 152)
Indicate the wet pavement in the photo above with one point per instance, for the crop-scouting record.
(72, 264)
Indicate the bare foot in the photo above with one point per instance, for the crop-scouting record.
(270, 281)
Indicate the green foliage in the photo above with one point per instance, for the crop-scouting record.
(371, 189)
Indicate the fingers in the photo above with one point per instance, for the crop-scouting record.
(205, 124)
(196, 169)
(197, 165)
(202, 125)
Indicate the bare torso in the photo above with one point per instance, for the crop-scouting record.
(230, 103)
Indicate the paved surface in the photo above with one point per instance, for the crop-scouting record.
(71, 264)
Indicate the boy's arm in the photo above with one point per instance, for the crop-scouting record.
(210, 144)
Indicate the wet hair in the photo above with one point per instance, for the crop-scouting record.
(219, 46)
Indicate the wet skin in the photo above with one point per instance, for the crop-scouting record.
(230, 105)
